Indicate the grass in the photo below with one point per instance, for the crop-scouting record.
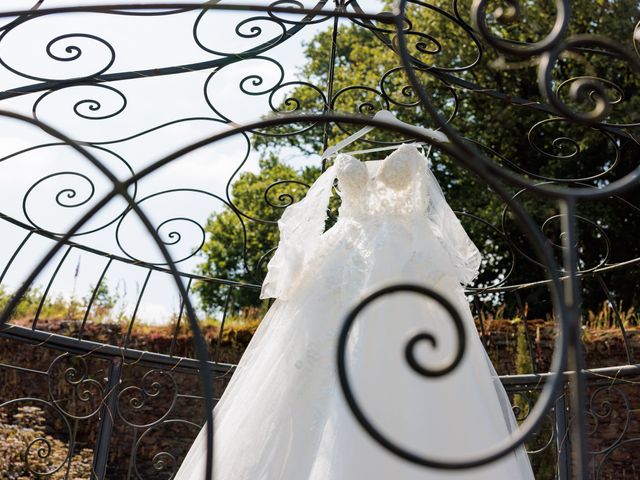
(109, 308)
(605, 318)
(105, 306)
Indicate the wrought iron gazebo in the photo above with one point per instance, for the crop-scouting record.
(82, 178)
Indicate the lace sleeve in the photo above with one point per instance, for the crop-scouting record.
(301, 226)
(463, 253)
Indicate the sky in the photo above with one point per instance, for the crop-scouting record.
(31, 181)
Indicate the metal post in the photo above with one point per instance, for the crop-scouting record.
(105, 428)
(330, 80)
(562, 437)
(572, 319)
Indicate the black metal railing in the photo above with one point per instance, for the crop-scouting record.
(125, 406)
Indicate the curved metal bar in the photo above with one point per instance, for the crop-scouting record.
(216, 353)
(471, 158)
(585, 87)
(119, 189)
(558, 362)
(464, 150)
(92, 299)
(15, 254)
(607, 410)
(475, 162)
(105, 351)
(135, 310)
(275, 8)
(22, 16)
(409, 351)
(178, 319)
(125, 260)
(46, 290)
(44, 451)
(163, 459)
(614, 306)
(600, 465)
(558, 31)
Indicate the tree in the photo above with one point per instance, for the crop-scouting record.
(103, 300)
(528, 141)
(241, 240)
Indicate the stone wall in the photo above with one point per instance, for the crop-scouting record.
(505, 341)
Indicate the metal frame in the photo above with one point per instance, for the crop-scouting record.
(394, 30)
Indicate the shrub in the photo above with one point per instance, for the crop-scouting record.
(25, 433)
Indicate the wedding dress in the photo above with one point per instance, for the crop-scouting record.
(283, 415)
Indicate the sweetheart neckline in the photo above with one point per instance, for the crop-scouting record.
(373, 167)
(402, 146)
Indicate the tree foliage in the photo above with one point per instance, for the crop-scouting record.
(528, 141)
(225, 255)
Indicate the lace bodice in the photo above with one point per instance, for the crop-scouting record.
(396, 172)
(394, 201)
(353, 180)
(399, 169)
(388, 187)
(380, 189)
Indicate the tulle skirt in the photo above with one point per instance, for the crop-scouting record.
(284, 416)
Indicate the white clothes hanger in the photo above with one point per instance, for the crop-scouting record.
(387, 116)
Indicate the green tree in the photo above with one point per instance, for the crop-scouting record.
(241, 240)
(367, 78)
(103, 301)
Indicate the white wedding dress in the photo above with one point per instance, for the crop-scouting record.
(283, 415)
